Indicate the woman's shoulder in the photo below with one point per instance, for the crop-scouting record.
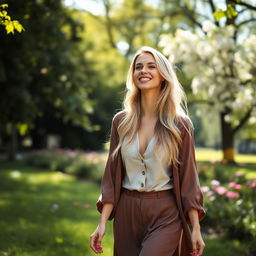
(184, 123)
(118, 116)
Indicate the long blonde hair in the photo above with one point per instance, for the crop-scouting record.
(170, 106)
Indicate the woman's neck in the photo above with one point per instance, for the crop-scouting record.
(148, 103)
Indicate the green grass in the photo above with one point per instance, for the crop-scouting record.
(30, 225)
(203, 154)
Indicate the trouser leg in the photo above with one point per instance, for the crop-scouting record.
(126, 227)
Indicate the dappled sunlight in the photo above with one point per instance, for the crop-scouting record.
(15, 174)
(55, 178)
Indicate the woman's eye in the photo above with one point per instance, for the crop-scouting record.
(137, 68)
(152, 67)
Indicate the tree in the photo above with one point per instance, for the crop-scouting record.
(42, 66)
(222, 68)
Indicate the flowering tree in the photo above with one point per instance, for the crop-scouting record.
(223, 74)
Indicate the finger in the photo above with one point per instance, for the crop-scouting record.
(97, 243)
(201, 248)
(92, 241)
(194, 245)
(93, 244)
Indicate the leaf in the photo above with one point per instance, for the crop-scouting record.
(22, 128)
(219, 14)
(9, 27)
(3, 6)
(59, 240)
(18, 26)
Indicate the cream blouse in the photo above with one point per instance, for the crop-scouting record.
(147, 173)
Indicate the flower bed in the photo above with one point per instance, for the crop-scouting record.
(231, 207)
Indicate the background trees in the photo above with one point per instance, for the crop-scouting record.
(68, 68)
(220, 63)
(38, 68)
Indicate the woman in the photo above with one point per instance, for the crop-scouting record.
(150, 184)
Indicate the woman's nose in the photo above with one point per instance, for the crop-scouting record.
(143, 70)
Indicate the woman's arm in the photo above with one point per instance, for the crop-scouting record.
(197, 241)
(107, 209)
(97, 235)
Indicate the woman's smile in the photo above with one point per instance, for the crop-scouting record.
(146, 72)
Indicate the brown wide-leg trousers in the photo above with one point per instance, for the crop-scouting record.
(146, 224)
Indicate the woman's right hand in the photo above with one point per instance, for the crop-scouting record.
(96, 238)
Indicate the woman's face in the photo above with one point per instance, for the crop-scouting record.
(146, 74)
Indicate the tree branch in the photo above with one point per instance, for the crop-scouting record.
(245, 22)
(243, 120)
(211, 3)
(109, 24)
(249, 6)
(191, 16)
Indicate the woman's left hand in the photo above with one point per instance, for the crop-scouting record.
(197, 241)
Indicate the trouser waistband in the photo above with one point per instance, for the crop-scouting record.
(145, 194)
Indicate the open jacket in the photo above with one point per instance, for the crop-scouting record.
(185, 178)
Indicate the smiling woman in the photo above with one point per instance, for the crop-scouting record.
(146, 72)
(150, 184)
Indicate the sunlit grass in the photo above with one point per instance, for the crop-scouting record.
(211, 155)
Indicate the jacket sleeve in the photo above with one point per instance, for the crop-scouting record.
(191, 194)
(107, 182)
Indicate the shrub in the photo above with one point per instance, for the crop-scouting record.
(231, 208)
(87, 166)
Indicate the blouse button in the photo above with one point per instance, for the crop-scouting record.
(143, 172)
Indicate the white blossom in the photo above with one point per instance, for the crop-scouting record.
(208, 26)
(221, 69)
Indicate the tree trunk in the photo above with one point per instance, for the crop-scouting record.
(227, 134)
(12, 147)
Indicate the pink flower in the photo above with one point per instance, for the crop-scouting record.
(215, 183)
(212, 198)
(237, 174)
(205, 189)
(220, 190)
(235, 185)
(252, 184)
(231, 184)
(209, 193)
(232, 195)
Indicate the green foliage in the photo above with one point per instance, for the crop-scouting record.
(40, 67)
(230, 12)
(230, 202)
(67, 161)
(54, 161)
(6, 21)
(82, 168)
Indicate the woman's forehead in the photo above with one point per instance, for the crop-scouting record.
(144, 58)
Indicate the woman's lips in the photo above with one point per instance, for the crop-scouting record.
(144, 79)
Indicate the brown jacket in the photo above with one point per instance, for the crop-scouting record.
(186, 183)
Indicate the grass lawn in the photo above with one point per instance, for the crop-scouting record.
(46, 213)
(203, 154)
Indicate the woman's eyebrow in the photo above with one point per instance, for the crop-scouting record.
(149, 63)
